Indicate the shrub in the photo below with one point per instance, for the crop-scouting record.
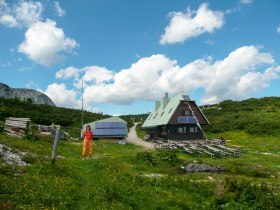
(245, 195)
(146, 157)
(168, 156)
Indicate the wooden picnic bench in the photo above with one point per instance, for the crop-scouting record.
(217, 150)
(234, 151)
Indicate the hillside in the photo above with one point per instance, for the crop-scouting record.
(255, 116)
(69, 119)
(25, 94)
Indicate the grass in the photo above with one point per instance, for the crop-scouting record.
(140, 133)
(123, 177)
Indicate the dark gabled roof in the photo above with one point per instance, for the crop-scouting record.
(162, 115)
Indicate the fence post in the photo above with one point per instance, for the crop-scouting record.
(55, 144)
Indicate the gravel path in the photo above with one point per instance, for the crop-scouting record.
(132, 138)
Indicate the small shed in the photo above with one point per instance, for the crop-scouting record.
(109, 128)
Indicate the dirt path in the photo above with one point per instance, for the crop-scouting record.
(132, 138)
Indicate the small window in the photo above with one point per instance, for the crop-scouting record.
(182, 130)
(155, 115)
(170, 110)
(185, 113)
(193, 129)
(162, 113)
(150, 117)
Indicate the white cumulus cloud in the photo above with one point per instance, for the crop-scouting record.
(9, 21)
(68, 73)
(243, 72)
(44, 43)
(61, 96)
(89, 75)
(59, 11)
(21, 14)
(97, 74)
(28, 12)
(190, 24)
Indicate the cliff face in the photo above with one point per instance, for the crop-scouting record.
(24, 94)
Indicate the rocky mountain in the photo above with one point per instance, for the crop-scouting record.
(25, 94)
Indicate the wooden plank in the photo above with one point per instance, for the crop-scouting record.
(19, 119)
(22, 121)
(15, 123)
(209, 153)
(226, 148)
(231, 151)
(16, 126)
(217, 150)
(187, 150)
(9, 131)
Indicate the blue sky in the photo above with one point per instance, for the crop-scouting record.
(128, 53)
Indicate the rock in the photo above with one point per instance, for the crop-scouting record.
(24, 94)
(192, 167)
(11, 158)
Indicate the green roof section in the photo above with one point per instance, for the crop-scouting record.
(162, 115)
(110, 119)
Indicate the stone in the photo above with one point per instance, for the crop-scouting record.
(11, 158)
(192, 167)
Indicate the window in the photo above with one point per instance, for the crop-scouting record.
(182, 130)
(185, 113)
(162, 113)
(155, 115)
(193, 129)
(170, 110)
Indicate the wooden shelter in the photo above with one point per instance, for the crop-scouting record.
(176, 118)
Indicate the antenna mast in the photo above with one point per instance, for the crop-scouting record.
(82, 104)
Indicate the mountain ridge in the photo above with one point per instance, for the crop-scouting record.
(25, 94)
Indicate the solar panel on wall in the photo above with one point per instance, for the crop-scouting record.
(185, 119)
(182, 119)
(110, 132)
(110, 125)
(191, 120)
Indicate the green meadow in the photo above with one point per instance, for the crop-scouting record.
(130, 177)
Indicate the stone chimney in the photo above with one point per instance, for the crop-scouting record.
(157, 105)
(165, 100)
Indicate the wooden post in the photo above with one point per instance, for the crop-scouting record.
(55, 144)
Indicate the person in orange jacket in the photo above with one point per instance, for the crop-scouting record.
(87, 135)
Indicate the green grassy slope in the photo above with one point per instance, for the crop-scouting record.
(255, 116)
(121, 177)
